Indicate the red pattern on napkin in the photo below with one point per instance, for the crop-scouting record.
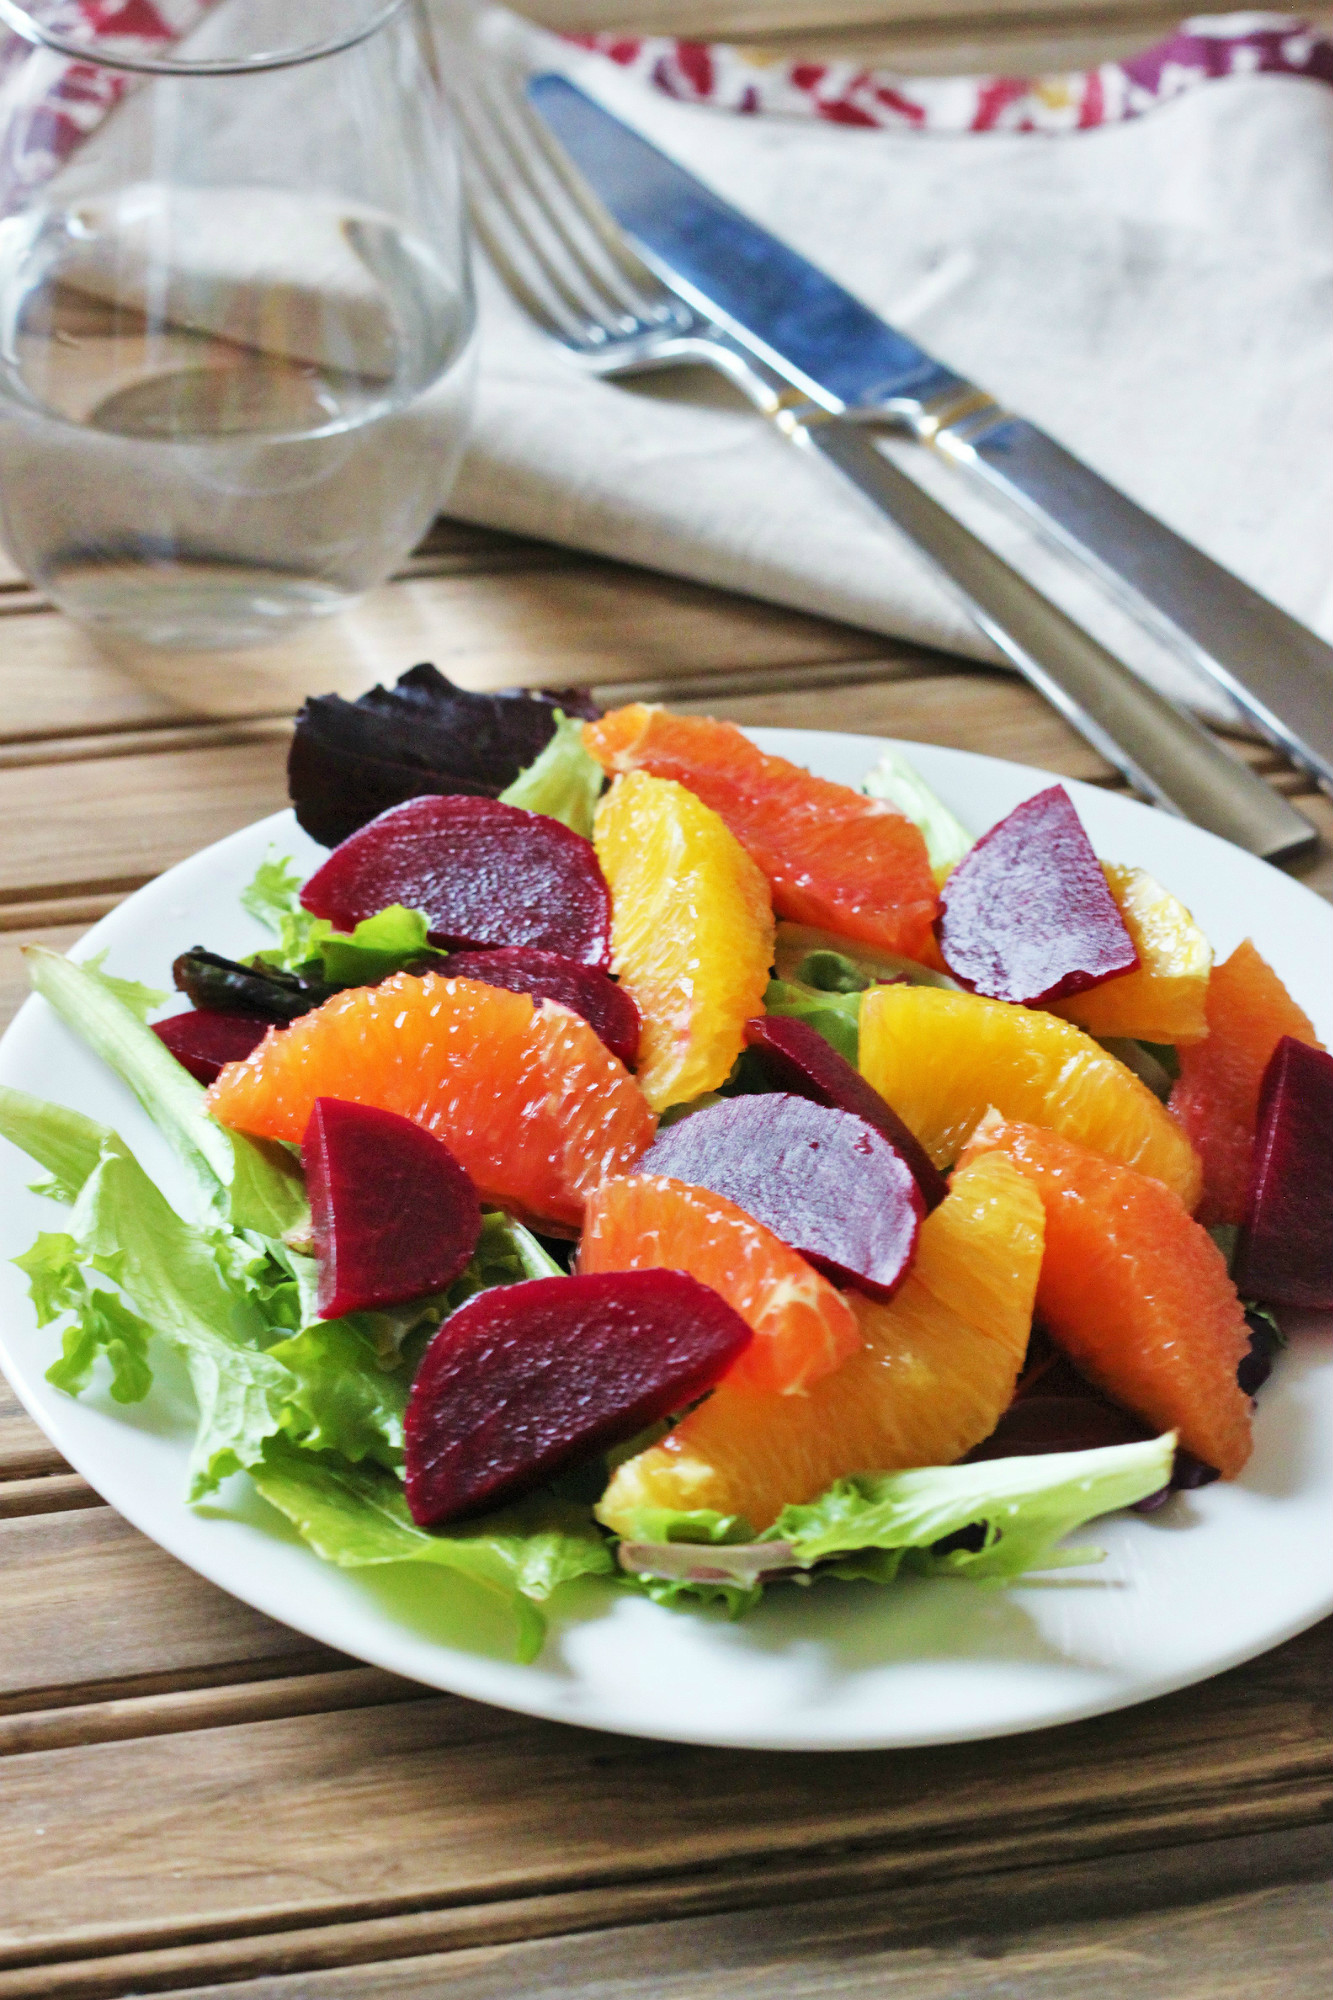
(733, 79)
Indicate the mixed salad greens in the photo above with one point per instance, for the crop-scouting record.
(312, 1410)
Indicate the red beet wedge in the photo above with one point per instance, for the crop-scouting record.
(800, 1060)
(486, 874)
(527, 1379)
(824, 1181)
(1027, 915)
(205, 1043)
(1286, 1246)
(546, 975)
(394, 1216)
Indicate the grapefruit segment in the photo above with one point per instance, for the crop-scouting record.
(1216, 1096)
(1135, 1291)
(691, 932)
(526, 1098)
(933, 1371)
(1164, 1000)
(803, 1328)
(941, 1059)
(834, 857)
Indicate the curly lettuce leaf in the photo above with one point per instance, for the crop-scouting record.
(141, 1000)
(356, 1516)
(347, 1396)
(835, 1016)
(251, 1183)
(564, 781)
(65, 1142)
(900, 784)
(274, 893)
(1026, 1506)
(990, 1522)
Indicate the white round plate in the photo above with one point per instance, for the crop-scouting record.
(1214, 1578)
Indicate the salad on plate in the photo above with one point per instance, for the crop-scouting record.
(635, 1157)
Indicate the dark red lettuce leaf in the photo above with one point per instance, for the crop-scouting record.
(351, 760)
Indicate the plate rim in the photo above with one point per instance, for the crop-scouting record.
(468, 1670)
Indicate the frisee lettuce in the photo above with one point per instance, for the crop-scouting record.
(900, 784)
(247, 1182)
(563, 781)
(356, 1516)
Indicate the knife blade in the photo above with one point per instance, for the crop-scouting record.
(849, 361)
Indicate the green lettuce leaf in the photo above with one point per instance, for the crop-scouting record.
(65, 1142)
(251, 1183)
(356, 1516)
(273, 895)
(141, 1000)
(564, 782)
(1018, 1510)
(506, 1254)
(835, 1016)
(393, 939)
(900, 784)
(174, 1278)
(1025, 1505)
(347, 1395)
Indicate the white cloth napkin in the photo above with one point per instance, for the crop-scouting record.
(1158, 295)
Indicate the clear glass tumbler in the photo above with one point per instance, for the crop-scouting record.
(235, 308)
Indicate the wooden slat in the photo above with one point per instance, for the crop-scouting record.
(591, 621)
(25, 1453)
(89, 1610)
(437, 1802)
(1034, 1934)
(52, 1493)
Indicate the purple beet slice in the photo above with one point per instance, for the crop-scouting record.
(800, 1060)
(1286, 1246)
(824, 1181)
(546, 975)
(526, 1379)
(205, 1043)
(352, 760)
(393, 1214)
(485, 874)
(1027, 915)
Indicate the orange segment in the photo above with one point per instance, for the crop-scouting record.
(834, 857)
(1216, 1097)
(802, 1326)
(527, 1097)
(941, 1059)
(691, 932)
(1135, 1291)
(934, 1372)
(1163, 1001)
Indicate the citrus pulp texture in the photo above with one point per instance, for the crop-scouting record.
(833, 857)
(942, 1059)
(1216, 1097)
(1135, 1291)
(691, 932)
(803, 1327)
(526, 1097)
(934, 1372)
(1163, 1001)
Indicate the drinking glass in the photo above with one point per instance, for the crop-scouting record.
(236, 315)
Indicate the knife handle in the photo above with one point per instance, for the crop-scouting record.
(1163, 752)
(1276, 669)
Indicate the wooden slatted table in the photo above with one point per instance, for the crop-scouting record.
(195, 1800)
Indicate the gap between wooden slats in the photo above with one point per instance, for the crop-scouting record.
(436, 1803)
(1045, 1934)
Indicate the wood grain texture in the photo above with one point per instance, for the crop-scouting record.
(1249, 1922)
(436, 1802)
(90, 1609)
(25, 1452)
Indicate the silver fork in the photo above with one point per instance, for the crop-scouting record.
(568, 264)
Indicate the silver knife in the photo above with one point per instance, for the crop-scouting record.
(847, 361)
